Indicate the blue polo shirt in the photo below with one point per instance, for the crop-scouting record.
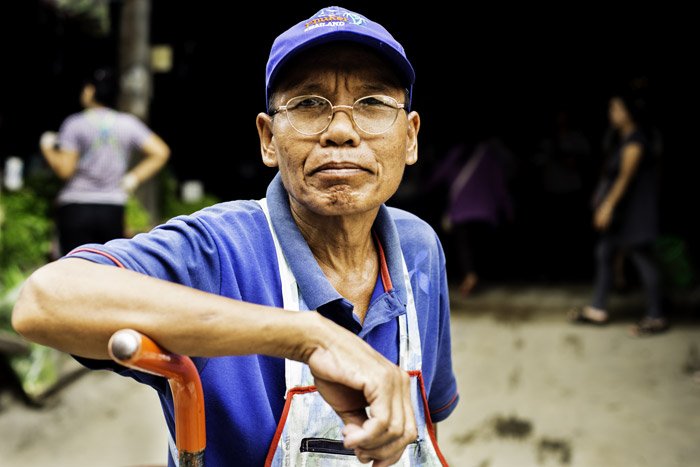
(227, 249)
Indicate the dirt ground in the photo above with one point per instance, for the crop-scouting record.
(535, 391)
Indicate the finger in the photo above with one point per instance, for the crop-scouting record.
(375, 430)
(386, 455)
(366, 434)
(397, 419)
(390, 453)
(352, 429)
(353, 420)
(379, 432)
(348, 430)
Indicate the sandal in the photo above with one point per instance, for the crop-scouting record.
(578, 315)
(649, 327)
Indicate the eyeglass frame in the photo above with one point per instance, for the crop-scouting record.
(283, 108)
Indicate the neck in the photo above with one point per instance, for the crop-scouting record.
(340, 243)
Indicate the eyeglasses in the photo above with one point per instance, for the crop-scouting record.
(311, 115)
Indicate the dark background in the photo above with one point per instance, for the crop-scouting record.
(481, 72)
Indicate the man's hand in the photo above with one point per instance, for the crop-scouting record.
(351, 376)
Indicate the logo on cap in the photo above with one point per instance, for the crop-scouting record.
(334, 17)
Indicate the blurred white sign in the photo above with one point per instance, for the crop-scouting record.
(192, 191)
(13, 173)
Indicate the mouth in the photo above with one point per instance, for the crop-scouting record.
(338, 169)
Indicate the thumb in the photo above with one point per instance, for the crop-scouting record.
(352, 420)
(350, 430)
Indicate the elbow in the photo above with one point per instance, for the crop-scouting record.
(159, 157)
(30, 316)
(160, 150)
(64, 173)
(164, 154)
(25, 314)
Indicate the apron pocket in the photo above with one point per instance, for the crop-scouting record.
(325, 446)
(332, 446)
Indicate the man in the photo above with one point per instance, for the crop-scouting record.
(340, 130)
(92, 154)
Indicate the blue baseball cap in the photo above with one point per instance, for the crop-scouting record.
(333, 24)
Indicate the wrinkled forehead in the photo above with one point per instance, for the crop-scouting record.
(321, 67)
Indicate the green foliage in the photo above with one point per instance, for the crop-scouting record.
(38, 372)
(25, 243)
(42, 369)
(674, 261)
(136, 217)
(25, 240)
(179, 208)
(25, 235)
(92, 15)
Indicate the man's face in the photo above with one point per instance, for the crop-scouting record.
(342, 170)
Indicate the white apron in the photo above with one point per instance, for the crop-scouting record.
(309, 431)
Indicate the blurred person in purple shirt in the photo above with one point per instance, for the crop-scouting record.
(91, 153)
(477, 201)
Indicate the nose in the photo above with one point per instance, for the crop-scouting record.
(341, 131)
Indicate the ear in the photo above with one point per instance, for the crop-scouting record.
(412, 138)
(267, 145)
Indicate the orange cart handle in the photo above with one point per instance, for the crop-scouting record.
(135, 350)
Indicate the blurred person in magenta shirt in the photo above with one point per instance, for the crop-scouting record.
(478, 201)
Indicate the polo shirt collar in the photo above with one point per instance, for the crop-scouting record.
(313, 284)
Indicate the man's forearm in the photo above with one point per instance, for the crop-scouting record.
(75, 306)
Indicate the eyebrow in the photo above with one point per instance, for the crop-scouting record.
(316, 87)
(377, 87)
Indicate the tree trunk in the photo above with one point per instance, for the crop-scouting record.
(134, 58)
(135, 77)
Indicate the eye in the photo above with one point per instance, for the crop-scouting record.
(372, 101)
(377, 102)
(309, 102)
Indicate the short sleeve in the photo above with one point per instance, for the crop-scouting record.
(181, 251)
(138, 133)
(425, 262)
(68, 134)
(443, 395)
